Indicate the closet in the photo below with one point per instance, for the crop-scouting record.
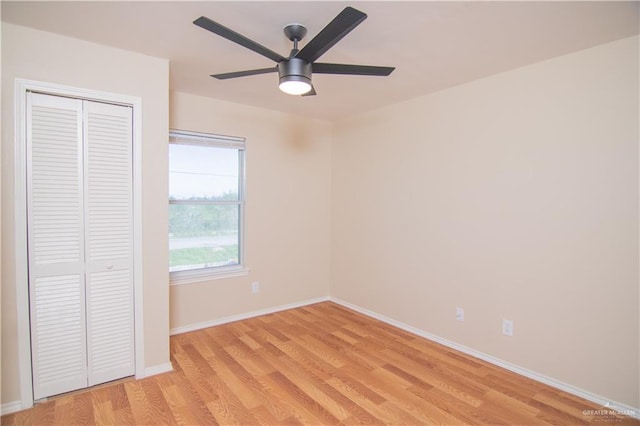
(80, 242)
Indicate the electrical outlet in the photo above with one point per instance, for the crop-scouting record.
(255, 287)
(460, 314)
(507, 327)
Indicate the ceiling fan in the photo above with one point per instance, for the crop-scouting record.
(296, 69)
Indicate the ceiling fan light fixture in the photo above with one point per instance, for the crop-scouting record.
(295, 76)
(295, 85)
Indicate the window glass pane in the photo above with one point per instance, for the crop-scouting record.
(203, 236)
(203, 173)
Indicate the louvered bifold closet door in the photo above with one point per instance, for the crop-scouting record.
(109, 240)
(56, 244)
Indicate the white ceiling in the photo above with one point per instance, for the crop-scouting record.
(433, 45)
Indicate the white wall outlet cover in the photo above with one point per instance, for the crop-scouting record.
(507, 327)
(460, 314)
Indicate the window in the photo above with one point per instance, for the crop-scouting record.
(206, 206)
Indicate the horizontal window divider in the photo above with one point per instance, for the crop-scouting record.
(207, 202)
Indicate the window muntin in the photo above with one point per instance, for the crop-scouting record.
(206, 204)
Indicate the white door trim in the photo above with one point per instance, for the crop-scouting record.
(22, 288)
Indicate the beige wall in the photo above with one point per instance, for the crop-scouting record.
(36, 55)
(287, 209)
(514, 196)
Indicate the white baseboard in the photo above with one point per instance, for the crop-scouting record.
(600, 400)
(10, 407)
(239, 317)
(158, 369)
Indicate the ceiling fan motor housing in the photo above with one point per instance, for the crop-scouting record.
(294, 69)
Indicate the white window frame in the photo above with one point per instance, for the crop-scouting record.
(182, 137)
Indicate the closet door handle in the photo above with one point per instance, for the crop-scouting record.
(110, 266)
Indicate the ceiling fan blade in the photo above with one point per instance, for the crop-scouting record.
(247, 73)
(311, 92)
(222, 31)
(339, 27)
(323, 68)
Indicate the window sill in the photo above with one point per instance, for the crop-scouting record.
(202, 275)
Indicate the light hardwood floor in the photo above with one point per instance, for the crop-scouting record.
(321, 365)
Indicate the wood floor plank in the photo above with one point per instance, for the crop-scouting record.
(194, 404)
(103, 413)
(570, 413)
(81, 409)
(236, 378)
(285, 409)
(427, 373)
(288, 395)
(321, 364)
(63, 412)
(249, 360)
(410, 402)
(313, 386)
(353, 394)
(142, 410)
(263, 416)
(464, 412)
(358, 389)
(512, 406)
(306, 359)
(326, 352)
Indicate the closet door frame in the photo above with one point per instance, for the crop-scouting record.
(22, 87)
